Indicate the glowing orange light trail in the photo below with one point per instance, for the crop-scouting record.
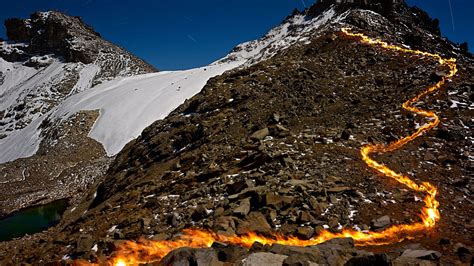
(145, 251)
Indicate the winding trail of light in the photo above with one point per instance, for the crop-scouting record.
(430, 213)
(146, 251)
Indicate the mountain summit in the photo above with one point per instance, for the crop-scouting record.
(65, 36)
(47, 59)
(385, 7)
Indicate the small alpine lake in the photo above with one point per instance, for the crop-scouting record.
(32, 219)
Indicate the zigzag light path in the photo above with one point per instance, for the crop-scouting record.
(145, 251)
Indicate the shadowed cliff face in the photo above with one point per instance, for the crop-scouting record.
(56, 33)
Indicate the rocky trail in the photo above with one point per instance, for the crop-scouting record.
(132, 253)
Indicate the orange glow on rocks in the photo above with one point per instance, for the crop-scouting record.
(145, 251)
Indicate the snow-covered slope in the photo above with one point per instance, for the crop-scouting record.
(35, 79)
(296, 28)
(28, 95)
(127, 105)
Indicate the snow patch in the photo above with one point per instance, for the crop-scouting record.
(86, 77)
(21, 143)
(44, 15)
(295, 29)
(7, 47)
(129, 105)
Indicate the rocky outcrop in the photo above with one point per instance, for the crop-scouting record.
(17, 30)
(56, 33)
(385, 7)
(46, 59)
(391, 9)
(334, 252)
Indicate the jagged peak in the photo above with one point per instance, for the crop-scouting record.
(39, 23)
(55, 33)
(363, 2)
(384, 7)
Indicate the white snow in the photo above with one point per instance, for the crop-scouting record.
(20, 83)
(111, 229)
(43, 60)
(279, 38)
(22, 79)
(352, 214)
(14, 73)
(45, 15)
(129, 105)
(7, 47)
(21, 143)
(86, 76)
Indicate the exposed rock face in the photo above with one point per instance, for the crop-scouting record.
(69, 37)
(391, 9)
(65, 166)
(385, 7)
(48, 58)
(334, 253)
(17, 30)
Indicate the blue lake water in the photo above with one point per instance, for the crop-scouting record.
(32, 220)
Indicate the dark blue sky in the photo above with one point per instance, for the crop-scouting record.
(179, 34)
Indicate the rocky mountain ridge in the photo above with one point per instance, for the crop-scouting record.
(40, 107)
(274, 146)
(47, 59)
(65, 36)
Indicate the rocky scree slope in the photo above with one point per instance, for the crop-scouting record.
(46, 59)
(151, 97)
(275, 147)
